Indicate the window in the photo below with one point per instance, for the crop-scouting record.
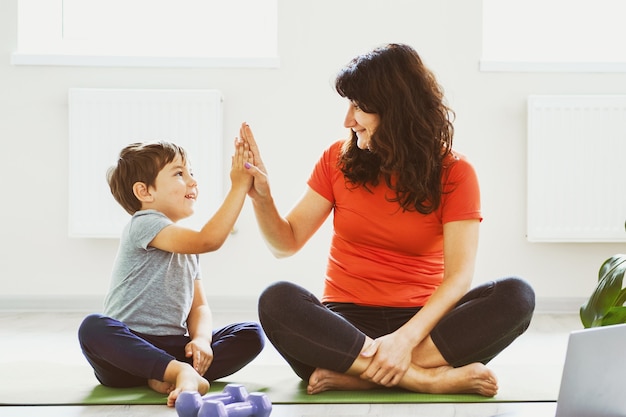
(554, 35)
(148, 32)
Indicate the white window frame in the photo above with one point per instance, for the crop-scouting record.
(41, 42)
(516, 23)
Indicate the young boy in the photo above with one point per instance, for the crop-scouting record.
(156, 326)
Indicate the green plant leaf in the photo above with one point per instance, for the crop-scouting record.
(608, 292)
(610, 263)
(615, 315)
(622, 298)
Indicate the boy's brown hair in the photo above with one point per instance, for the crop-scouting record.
(140, 162)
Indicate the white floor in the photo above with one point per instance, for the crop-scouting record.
(23, 333)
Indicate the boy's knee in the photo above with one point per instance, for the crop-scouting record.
(89, 324)
(254, 335)
(90, 329)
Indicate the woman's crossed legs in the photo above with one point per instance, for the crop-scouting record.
(323, 343)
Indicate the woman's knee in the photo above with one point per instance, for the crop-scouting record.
(277, 297)
(519, 290)
(279, 290)
(519, 298)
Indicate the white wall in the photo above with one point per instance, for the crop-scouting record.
(295, 114)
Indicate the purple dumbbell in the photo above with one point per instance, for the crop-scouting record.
(188, 402)
(257, 405)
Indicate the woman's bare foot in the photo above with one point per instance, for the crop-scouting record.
(474, 378)
(183, 378)
(160, 386)
(324, 380)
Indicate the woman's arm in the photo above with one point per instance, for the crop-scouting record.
(200, 326)
(284, 235)
(392, 354)
(460, 245)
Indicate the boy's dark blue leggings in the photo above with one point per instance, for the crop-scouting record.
(309, 334)
(121, 357)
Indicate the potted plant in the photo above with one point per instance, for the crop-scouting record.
(606, 304)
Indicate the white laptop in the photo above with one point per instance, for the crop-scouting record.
(593, 383)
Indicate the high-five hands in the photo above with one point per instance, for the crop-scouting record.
(260, 186)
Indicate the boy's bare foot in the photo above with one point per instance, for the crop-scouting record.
(184, 378)
(160, 386)
(324, 380)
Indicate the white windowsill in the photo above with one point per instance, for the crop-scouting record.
(528, 66)
(20, 58)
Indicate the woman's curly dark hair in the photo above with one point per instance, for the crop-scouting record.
(415, 133)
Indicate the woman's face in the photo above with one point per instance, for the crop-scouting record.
(362, 124)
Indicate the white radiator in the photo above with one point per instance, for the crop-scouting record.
(576, 168)
(103, 121)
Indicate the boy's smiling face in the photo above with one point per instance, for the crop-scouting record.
(174, 192)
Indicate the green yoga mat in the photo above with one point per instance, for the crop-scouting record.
(45, 383)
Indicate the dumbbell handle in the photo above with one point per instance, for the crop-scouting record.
(222, 397)
(259, 408)
(188, 403)
(257, 405)
(232, 393)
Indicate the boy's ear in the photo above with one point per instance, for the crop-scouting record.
(142, 192)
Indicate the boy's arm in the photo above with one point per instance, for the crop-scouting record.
(178, 239)
(200, 326)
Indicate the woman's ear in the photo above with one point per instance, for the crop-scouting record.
(142, 192)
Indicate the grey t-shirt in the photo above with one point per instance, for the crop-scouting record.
(151, 290)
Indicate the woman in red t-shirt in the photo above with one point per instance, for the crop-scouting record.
(397, 308)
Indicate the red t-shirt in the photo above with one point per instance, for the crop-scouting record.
(380, 255)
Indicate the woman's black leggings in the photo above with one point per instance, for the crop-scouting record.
(309, 334)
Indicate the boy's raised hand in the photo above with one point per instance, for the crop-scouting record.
(239, 174)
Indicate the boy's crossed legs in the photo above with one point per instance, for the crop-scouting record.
(123, 358)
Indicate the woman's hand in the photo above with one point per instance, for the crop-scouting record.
(201, 353)
(391, 357)
(260, 187)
